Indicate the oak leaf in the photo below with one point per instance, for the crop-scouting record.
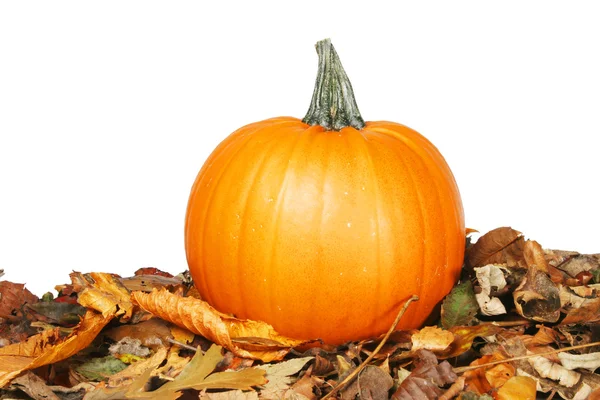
(279, 376)
(198, 375)
(199, 317)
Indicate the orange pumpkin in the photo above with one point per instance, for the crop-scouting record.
(322, 227)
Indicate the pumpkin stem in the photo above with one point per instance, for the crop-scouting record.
(333, 105)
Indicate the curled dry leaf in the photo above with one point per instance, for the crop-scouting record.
(199, 317)
(537, 297)
(589, 361)
(490, 276)
(432, 338)
(104, 293)
(534, 256)
(548, 369)
(49, 347)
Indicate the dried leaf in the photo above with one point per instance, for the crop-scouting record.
(229, 395)
(463, 338)
(490, 276)
(196, 375)
(589, 361)
(103, 293)
(371, 383)
(548, 369)
(537, 297)
(65, 314)
(432, 338)
(34, 386)
(136, 369)
(12, 298)
(518, 388)
(460, 306)
(534, 256)
(151, 333)
(199, 317)
(499, 246)
(48, 347)
(426, 379)
(98, 369)
(278, 376)
(580, 309)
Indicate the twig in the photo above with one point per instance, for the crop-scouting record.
(354, 373)
(182, 345)
(460, 370)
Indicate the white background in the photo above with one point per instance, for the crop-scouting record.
(108, 110)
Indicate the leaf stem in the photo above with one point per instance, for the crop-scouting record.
(460, 370)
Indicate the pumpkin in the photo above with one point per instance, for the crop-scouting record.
(324, 226)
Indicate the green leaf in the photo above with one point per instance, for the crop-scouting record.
(98, 369)
(460, 306)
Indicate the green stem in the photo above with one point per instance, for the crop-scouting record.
(333, 105)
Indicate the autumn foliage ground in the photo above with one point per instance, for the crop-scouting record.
(522, 322)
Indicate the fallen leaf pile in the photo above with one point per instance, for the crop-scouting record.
(522, 323)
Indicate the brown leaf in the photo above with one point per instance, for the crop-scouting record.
(372, 382)
(580, 263)
(305, 386)
(537, 297)
(146, 283)
(12, 298)
(581, 304)
(104, 293)
(199, 317)
(49, 347)
(426, 379)
(34, 386)
(499, 246)
(152, 333)
(535, 257)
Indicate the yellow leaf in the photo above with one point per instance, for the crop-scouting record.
(244, 338)
(104, 293)
(518, 388)
(431, 338)
(49, 347)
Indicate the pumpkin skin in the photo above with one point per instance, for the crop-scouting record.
(324, 234)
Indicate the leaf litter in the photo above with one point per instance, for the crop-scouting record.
(523, 322)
